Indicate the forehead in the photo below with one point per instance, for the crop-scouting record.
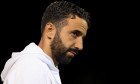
(77, 24)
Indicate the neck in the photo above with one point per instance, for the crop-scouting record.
(47, 50)
(55, 62)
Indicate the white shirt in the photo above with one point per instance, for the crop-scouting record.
(30, 66)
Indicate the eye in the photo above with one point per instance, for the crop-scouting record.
(76, 33)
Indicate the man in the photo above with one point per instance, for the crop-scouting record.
(63, 27)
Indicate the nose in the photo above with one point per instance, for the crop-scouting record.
(79, 43)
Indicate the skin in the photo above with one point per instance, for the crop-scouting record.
(71, 37)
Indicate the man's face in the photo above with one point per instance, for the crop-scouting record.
(69, 40)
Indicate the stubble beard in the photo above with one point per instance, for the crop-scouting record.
(59, 51)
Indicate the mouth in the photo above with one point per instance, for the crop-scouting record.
(72, 53)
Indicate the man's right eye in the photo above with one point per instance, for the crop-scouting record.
(76, 33)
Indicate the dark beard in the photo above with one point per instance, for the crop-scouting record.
(59, 51)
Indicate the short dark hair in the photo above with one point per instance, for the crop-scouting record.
(58, 11)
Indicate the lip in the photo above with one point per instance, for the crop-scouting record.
(73, 53)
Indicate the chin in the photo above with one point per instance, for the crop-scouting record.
(67, 59)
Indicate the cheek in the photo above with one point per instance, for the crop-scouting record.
(68, 41)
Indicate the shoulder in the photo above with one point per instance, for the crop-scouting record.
(29, 62)
(28, 69)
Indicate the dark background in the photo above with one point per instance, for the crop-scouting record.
(110, 52)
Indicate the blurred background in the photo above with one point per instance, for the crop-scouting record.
(110, 54)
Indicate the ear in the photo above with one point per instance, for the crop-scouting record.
(50, 30)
